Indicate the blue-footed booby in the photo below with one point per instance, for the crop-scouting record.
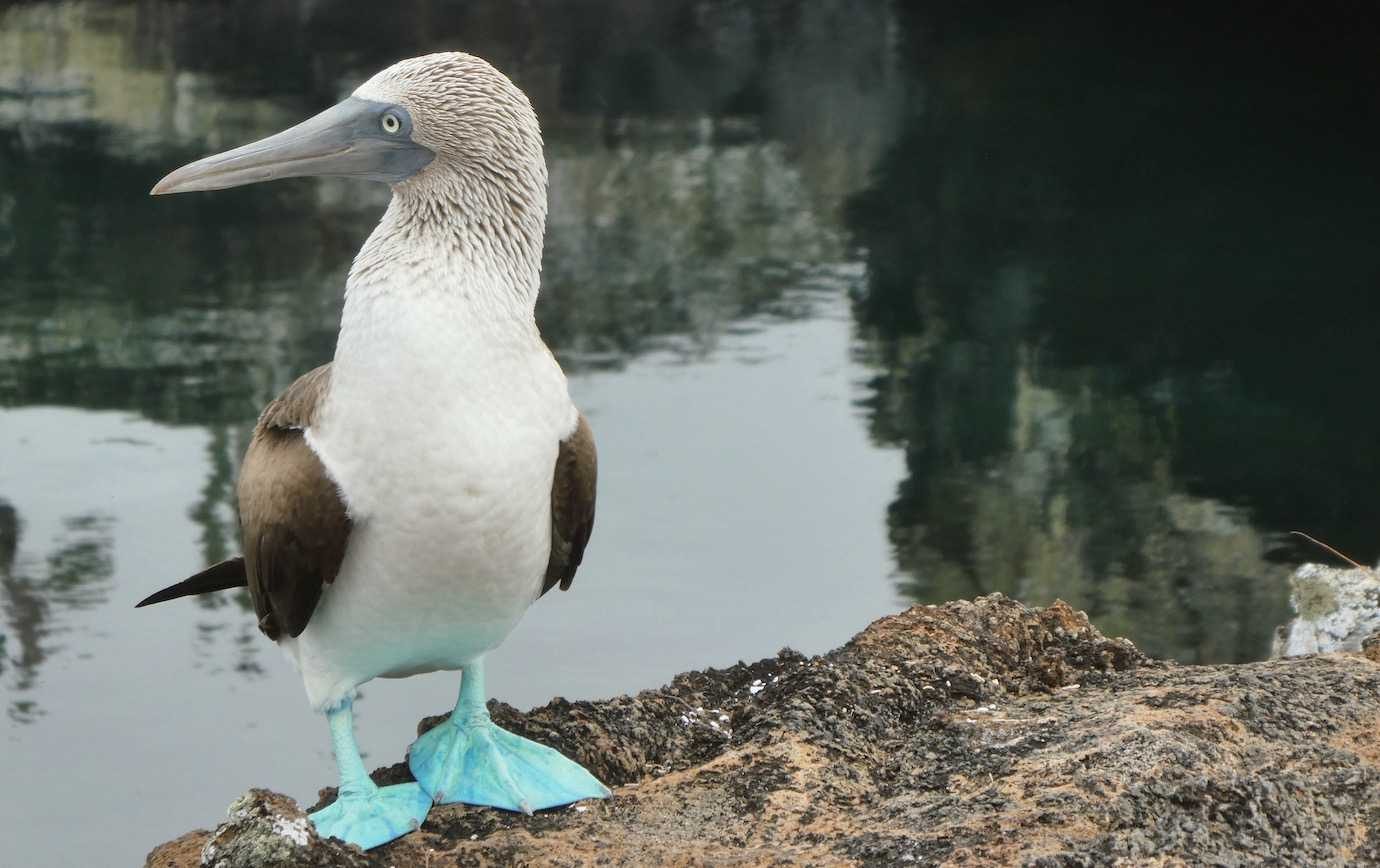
(403, 505)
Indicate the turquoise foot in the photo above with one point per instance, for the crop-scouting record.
(373, 817)
(477, 763)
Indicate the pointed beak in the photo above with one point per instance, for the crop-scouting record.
(350, 139)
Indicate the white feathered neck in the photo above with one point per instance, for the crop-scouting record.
(472, 221)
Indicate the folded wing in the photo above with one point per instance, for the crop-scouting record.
(293, 523)
(572, 505)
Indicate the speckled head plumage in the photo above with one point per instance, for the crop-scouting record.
(470, 115)
(458, 142)
(422, 124)
(487, 180)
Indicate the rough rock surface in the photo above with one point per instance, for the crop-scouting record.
(973, 733)
(1336, 610)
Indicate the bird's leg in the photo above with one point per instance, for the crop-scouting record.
(472, 706)
(468, 759)
(364, 813)
(354, 780)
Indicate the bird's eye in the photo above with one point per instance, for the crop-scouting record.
(390, 123)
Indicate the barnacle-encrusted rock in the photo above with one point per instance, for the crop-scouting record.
(973, 733)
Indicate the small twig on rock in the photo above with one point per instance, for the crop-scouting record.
(1329, 548)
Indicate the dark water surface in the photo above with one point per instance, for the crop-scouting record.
(867, 303)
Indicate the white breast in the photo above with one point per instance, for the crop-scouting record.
(441, 429)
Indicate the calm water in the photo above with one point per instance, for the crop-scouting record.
(867, 304)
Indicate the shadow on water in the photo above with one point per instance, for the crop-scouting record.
(1122, 292)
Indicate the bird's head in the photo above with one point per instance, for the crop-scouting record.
(442, 121)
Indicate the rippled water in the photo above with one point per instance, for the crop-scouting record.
(867, 303)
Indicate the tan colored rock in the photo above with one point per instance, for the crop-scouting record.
(974, 733)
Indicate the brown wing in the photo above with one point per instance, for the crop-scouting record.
(572, 506)
(293, 524)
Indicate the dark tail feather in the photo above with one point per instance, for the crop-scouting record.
(221, 577)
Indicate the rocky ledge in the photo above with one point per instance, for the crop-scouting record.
(973, 733)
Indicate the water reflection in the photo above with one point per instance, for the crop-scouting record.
(1112, 287)
(21, 607)
(1074, 311)
(37, 598)
(679, 215)
(1084, 294)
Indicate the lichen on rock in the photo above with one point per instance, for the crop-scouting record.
(973, 733)
(1336, 610)
(268, 830)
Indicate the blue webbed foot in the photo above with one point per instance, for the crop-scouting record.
(369, 819)
(469, 759)
(477, 763)
(364, 813)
